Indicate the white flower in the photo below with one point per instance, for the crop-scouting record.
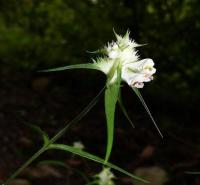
(105, 177)
(78, 145)
(123, 53)
(138, 72)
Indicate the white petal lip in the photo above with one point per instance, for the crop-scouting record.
(141, 64)
(135, 73)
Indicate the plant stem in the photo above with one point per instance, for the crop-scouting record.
(77, 118)
(55, 138)
(29, 161)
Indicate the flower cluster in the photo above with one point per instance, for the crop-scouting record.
(123, 53)
(105, 177)
(78, 145)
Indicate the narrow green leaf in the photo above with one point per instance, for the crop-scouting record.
(76, 66)
(113, 70)
(99, 51)
(79, 117)
(124, 109)
(53, 162)
(93, 158)
(39, 131)
(137, 92)
(116, 35)
(111, 97)
(111, 94)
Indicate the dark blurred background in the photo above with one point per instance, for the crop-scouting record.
(41, 34)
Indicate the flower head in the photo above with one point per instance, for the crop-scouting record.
(78, 145)
(122, 55)
(105, 177)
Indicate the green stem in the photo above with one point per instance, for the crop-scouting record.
(27, 163)
(55, 138)
(77, 118)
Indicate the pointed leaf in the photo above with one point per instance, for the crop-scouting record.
(93, 158)
(39, 131)
(79, 117)
(137, 92)
(116, 35)
(124, 109)
(99, 51)
(76, 66)
(53, 162)
(111, 96)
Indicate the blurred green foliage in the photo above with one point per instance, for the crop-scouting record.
(52, 32)
(36, 34)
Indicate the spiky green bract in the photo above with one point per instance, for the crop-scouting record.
(43, 134)
(124, 109)
(137, 92)
(76, 66)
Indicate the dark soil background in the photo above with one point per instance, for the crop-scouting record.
(52, 100)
